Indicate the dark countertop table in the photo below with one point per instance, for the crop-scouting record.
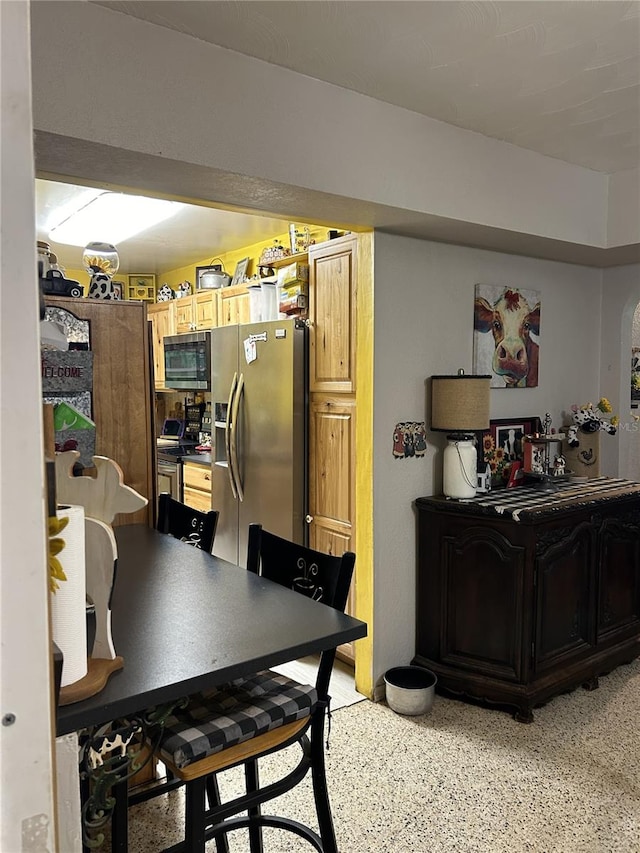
(185, 621)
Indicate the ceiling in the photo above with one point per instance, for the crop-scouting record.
(196, 233)
(561, 78)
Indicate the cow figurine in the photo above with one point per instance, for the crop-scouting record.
(110, 746)
(101, 286)
(165, 294)
(588, 419)
(511, 320)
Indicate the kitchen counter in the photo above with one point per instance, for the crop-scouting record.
(199, 459)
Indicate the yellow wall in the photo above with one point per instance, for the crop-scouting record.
(229, 259)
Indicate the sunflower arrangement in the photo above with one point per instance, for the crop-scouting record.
(56, 572)
(495, 457)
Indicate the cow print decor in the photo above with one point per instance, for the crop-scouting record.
(101, 286)
(165, 293)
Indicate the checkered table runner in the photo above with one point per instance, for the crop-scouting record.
(527, 500)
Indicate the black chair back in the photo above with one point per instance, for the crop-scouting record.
(319, 576)
(189, 525)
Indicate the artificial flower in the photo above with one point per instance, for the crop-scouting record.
(56, 572)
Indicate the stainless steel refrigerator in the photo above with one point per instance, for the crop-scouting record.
(259, 441)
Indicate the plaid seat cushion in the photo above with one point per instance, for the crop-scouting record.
(233, 713)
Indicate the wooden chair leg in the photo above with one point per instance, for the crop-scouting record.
(213, 797)
(194, 816)
(253, 784)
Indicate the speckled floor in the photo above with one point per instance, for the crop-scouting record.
(465, 779)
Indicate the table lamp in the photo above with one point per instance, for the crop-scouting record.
(460, 407)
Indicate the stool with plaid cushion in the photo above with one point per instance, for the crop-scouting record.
(239, 722)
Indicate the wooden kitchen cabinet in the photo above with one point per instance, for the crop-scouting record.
(233, 305)
(332, 469)
(196, 479)
(197, 312)
(515, 612)
(161, 315)
(206, 309)
(332, 474)
(333, 275)
(333, 288)
(184, 314)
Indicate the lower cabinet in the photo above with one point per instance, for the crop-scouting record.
(196, 483)
(515, 612)
(332, 482)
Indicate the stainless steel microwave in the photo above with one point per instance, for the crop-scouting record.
(187, 361)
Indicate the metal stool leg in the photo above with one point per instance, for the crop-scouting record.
(320, 791)
(194, 816)
(253, 785)
(213, 796)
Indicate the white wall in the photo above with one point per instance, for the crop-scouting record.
(623, 220)
(620, 297)
(424, 325)
(152, 90)
(27, 819)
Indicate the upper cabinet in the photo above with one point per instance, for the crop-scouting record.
(332, 299)
(233, 305)
(197, 312)
(162, 318)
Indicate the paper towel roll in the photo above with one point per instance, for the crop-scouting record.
(68, 603)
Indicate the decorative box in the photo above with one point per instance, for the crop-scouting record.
(292, 274)
(584, 460)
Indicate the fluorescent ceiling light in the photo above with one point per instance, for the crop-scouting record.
(112, 218)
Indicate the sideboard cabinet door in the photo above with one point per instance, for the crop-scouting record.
(565, 567)
(482, 604)
(619, 575)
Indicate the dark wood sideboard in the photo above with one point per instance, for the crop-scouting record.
(519, 602)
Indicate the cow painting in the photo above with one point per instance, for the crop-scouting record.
(506, 328)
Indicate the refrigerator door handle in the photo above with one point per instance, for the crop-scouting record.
(234, 438)
(227, 436)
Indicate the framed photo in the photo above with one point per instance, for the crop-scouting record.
(118, 289)
(503, 444)
(239, 274)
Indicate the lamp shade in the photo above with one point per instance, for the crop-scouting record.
(460, 403)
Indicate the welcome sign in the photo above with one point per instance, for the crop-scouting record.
(66, 373)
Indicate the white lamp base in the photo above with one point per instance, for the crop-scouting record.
(459, 476)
